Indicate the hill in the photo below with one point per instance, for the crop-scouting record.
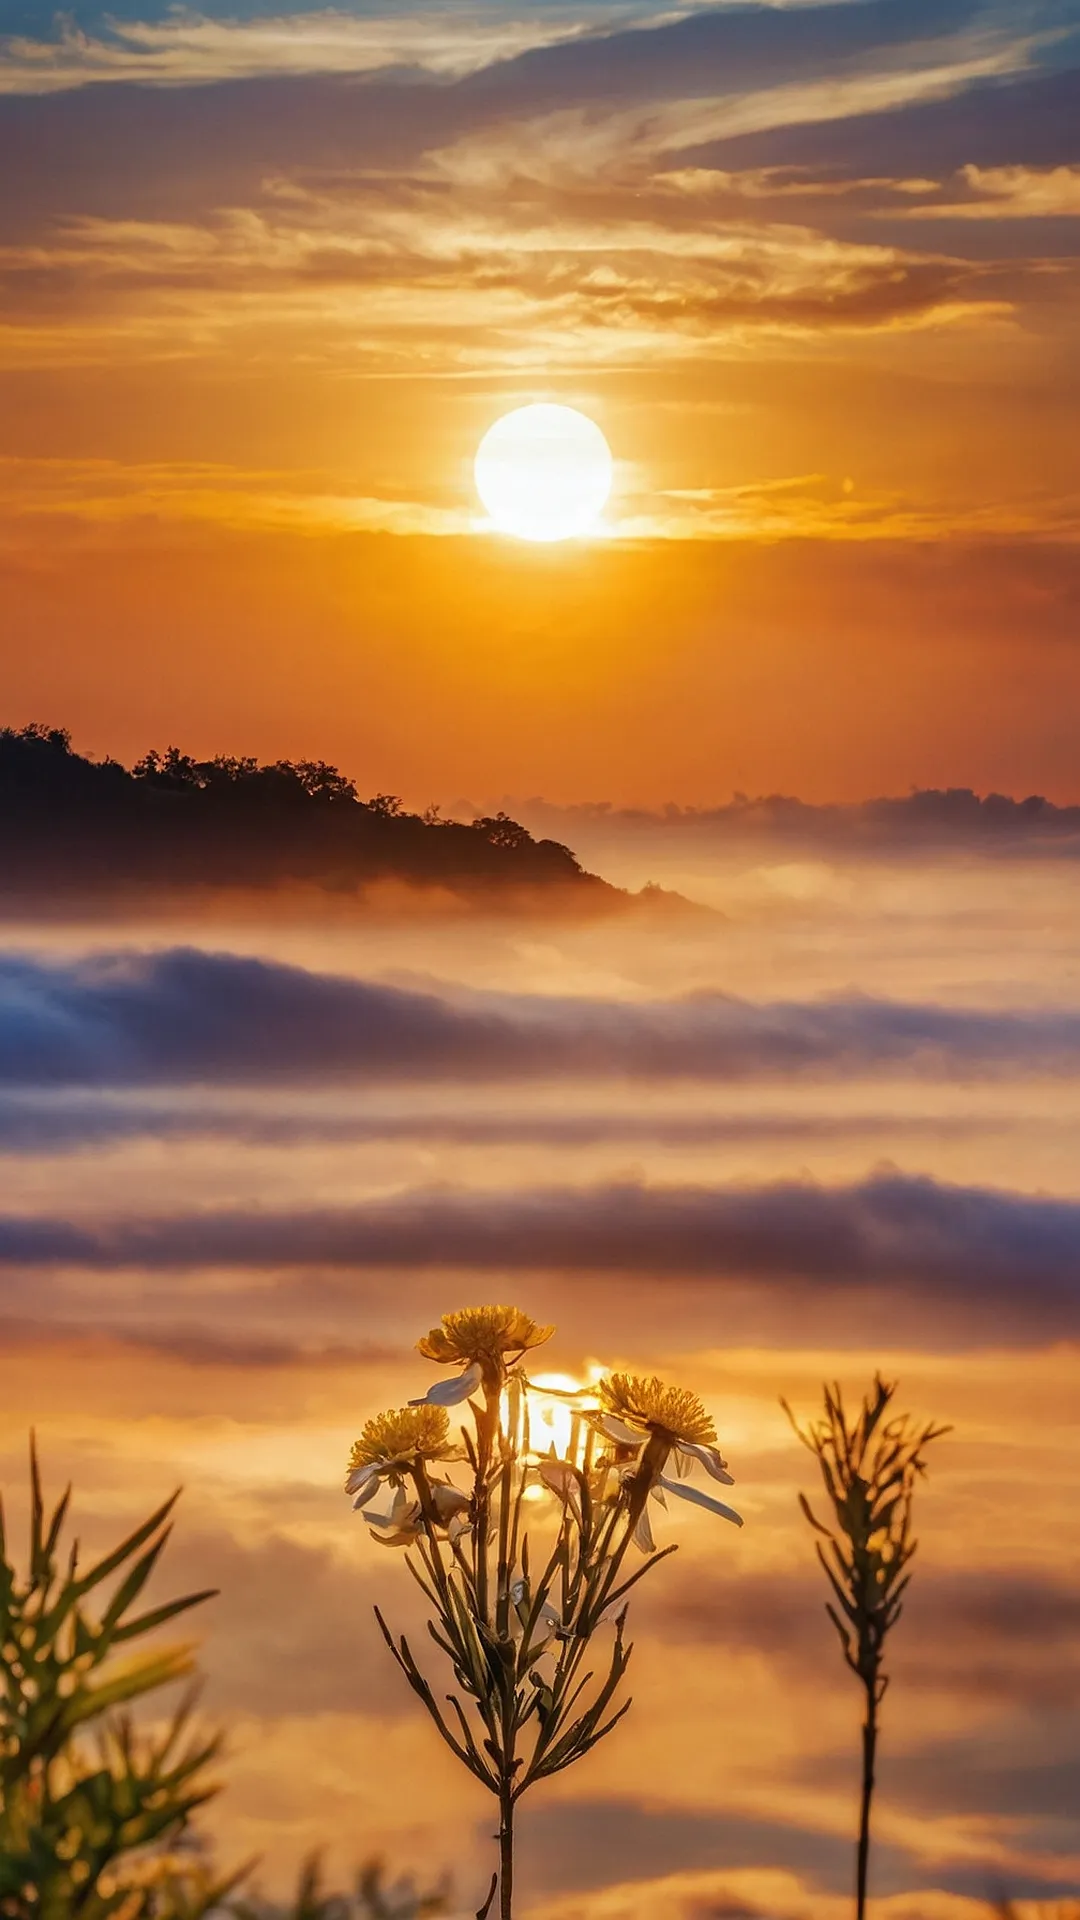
(171, 821)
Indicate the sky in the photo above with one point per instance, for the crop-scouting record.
(265, 281)
(268, 278)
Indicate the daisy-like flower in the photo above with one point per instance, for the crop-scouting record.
(635, 1409)
(391, 1443)
(481, 1341)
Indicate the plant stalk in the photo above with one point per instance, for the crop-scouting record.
(869, 1752)
(506, 1850)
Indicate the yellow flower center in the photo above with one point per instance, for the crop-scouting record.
(486, 1334)
(403, 1434)
(655, 1408)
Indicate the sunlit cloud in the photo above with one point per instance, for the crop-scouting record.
(191, 48)
(1006, 193)
(109, 496)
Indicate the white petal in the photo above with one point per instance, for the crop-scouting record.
(369, 1491)
(699, 1499)
(711, 1460)
(618, 1430)
(402, 1516)
(449, 1501)
(561, 1480)
(557, 1474)
(643, 1535)
(362, 1476)
(450, 1393)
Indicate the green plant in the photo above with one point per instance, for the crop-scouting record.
(869, 1469)
(372, 1899)
(515, 1614)
(92, 1807)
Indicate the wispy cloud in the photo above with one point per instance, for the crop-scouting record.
(188, 48)
(1005, 193)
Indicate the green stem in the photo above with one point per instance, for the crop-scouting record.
(651, 1466)
(487, 1427)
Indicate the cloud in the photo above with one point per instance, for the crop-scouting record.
(1006, 193)
(1011, 1634)
(88, 499)
(193, 48)
(315, 1654)
(627, 54)
(70, 1121)
(188, 1345)
(478, 259)
(589, 1842)
(1026, 119)
(931, 821)
(973, 1249)
(515, 217)
(186, 1017)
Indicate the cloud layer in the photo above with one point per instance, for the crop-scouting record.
(974, 1247)
(184, 1017)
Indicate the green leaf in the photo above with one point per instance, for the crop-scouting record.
(157, 1616)
(127, 1547)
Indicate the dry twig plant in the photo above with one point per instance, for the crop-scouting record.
(513, 1611)
(869, 1469)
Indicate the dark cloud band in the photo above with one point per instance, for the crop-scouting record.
(978, 1246)
(188, 1018)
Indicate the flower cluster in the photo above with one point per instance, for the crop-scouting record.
(516, 1611)
(649, 1425)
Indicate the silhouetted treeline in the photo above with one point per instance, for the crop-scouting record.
(172, 820)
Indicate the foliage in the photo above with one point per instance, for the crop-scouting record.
(870, 1466)
(313, 779)
(175, 819)
(91, 1808)
(371, 1899)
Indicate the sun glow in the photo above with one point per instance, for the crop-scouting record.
(551, 1420)
(544, 472)
(555, 1423)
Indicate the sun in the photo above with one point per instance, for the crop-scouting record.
(544, 472)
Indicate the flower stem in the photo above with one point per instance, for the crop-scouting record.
(506, 1850)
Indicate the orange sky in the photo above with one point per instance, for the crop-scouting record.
(812, 270)
(269, 274)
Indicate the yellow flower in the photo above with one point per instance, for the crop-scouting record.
(481, 1333)
(634, 1409)
(650, 1407)
(391, 1441)
(479, 1339)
